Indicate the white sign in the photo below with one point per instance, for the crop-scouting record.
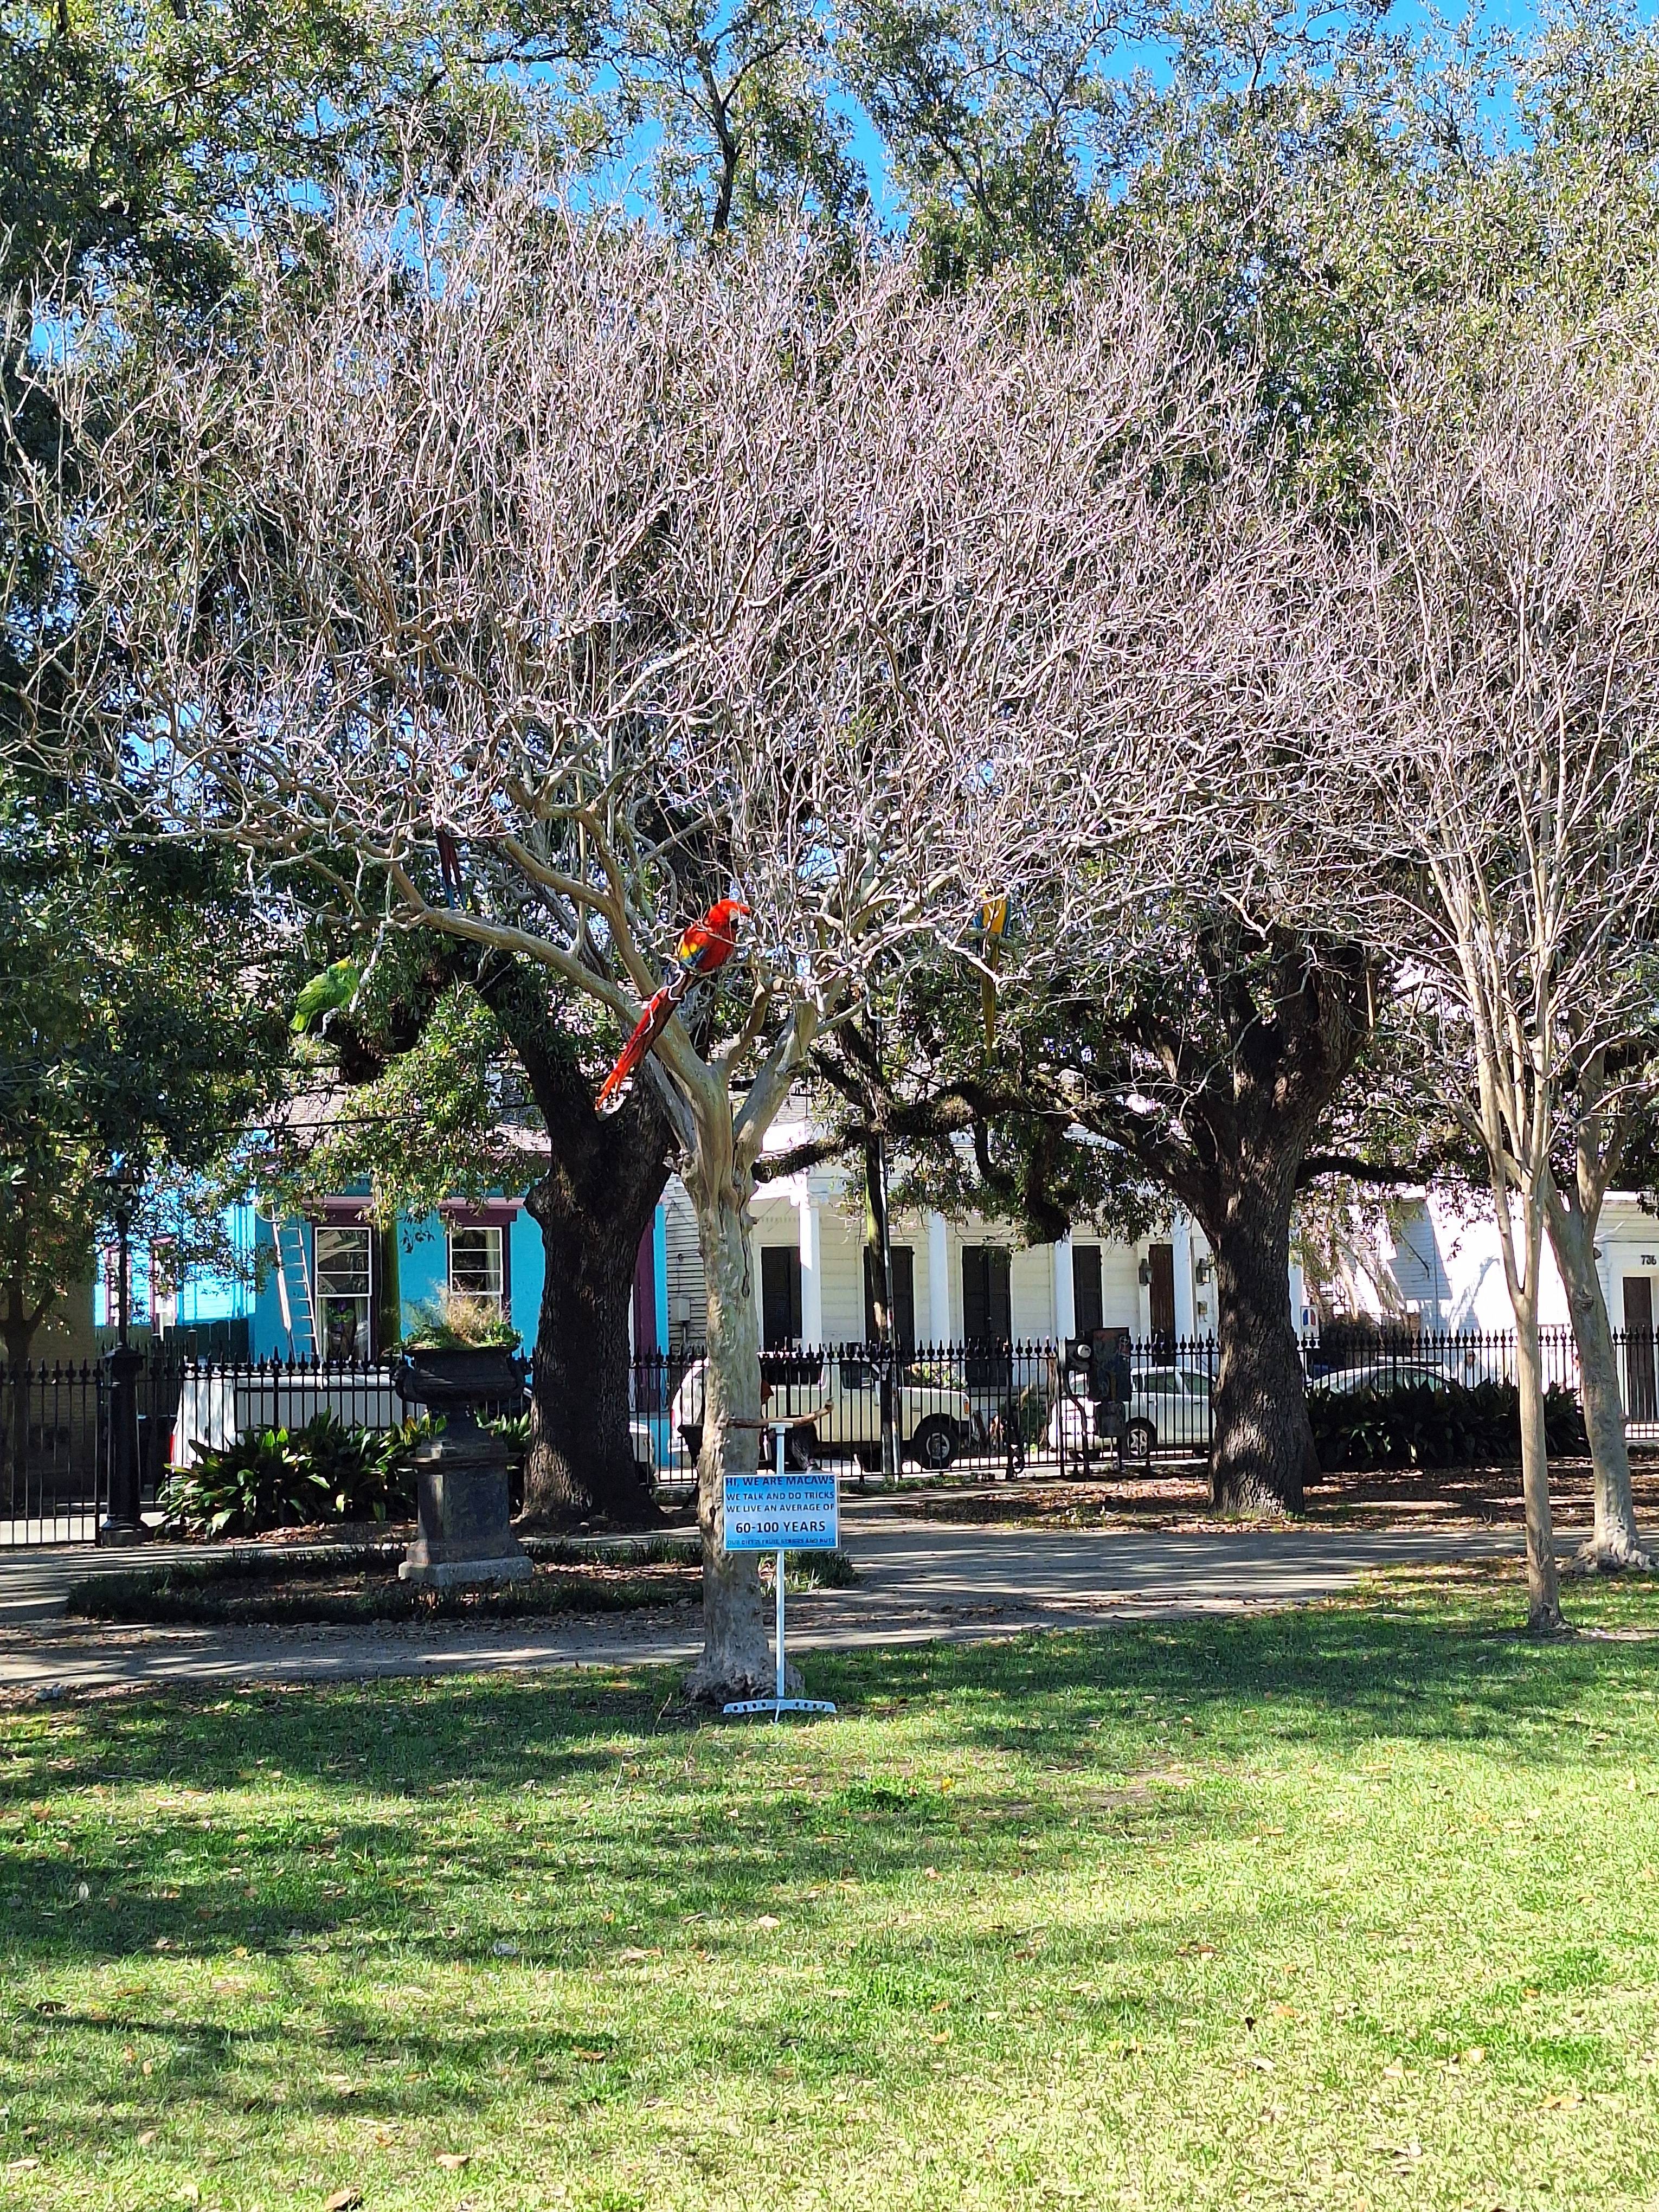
(781, 1512)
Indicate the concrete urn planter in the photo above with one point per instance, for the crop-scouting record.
(465, 1531)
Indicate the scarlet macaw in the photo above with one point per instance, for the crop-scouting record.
(705, 947)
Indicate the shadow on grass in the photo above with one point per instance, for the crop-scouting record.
(396, 1828)
(1422, 1664)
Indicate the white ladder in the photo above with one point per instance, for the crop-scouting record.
(293, 1289)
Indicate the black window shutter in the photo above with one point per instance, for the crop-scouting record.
(780, 1296)
(986, 1305)
(1088, 1303)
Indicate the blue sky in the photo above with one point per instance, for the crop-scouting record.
(625, 182)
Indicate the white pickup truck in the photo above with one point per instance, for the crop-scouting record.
(838, 1400)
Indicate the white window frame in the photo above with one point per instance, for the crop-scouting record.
(473, 1289)
(362, 1301)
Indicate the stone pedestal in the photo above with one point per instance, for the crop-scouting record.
(465, 1532)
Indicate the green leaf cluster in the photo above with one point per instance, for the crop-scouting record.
(119, 1041)
(1419, 1425)
(275, 1478)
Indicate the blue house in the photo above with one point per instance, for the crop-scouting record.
(335, 1285)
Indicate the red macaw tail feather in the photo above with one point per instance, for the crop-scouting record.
(649, 1028)
(449, 865)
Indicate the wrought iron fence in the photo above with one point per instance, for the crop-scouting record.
(54, 1427)
(991, 1408)
(53, 1453)
(988, 1408)
(980, 1409)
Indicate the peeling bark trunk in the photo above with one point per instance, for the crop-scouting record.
(1615, 1543)
(877, 1246)
(1263, 1456)
(736, 1660)
(1543, 1582)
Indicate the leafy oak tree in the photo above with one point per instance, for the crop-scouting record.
(462, 1074)
(118, 1042)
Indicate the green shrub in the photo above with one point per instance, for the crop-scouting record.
(513, 1429)
(1419, 1426)
(272, 1477)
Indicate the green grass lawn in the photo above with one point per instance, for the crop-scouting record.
(1349, 1907)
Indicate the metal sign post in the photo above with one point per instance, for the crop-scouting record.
(765, 1513)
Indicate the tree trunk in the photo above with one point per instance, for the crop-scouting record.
(18, 1324)
(581, 1465)
(593, 1206)
(877, 1230)
(1263, 1456)
(1614, 1544)
(736, 1660)
(1251, 1046)
(1543, 1584)
(17, 1338)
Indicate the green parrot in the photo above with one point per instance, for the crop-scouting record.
(326, 993)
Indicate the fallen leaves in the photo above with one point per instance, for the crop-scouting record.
(344, 2200)
(453, 2161)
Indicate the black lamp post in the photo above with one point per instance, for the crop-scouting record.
(122, 1523)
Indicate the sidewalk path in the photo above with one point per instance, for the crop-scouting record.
(919, 1581)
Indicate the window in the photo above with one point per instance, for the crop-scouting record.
(987, 1307)
(904, 1296)
(475, 1264)
(343, 1262)
(1160, 1297)
(1088, 1305)
(780, 1296)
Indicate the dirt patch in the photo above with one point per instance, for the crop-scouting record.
(1177, 1498)
(263, 1589)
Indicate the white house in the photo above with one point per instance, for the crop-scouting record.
(953, 1281)
(1433, 1257)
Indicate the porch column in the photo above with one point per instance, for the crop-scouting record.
(939, 1279)
(1064, 1291)
(811, 1272)
(659, 1273)
(1181, 1236)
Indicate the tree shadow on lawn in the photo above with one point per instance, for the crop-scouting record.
(594, 1827)
(716, 1801)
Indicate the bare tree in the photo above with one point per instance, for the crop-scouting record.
(1192, 1020)
(1487, 802)
(617, 572)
